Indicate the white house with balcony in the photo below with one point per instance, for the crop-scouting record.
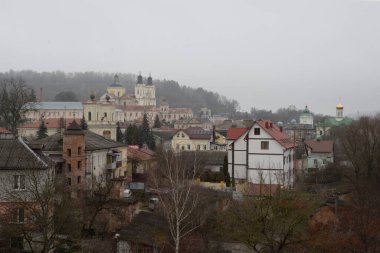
(261, 157)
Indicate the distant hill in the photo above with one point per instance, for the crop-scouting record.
(85, 83)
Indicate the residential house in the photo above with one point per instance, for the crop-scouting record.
(261, 157)
(191, 139)
(86, 157)
(140, 161)
(184, 123)
(22, 171)
(319, 153)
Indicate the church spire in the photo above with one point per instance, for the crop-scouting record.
(150, 80)
(139, 78)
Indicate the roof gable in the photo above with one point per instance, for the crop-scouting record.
(276, 133)
(235, 133)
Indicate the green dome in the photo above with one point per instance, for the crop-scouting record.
(306, 110)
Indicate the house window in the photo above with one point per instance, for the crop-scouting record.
(324, 161)
(69, 181)
(177, 135)
(177, 147)
(188, 147)
(284, 160)
(79, 150)
(183, 147)
(69, 152)
(69, 167)
(78, 179)
(204, 147)
(183, 136)
(18, 215)
(265, 145)
(19, 182)
(105, 115)
(257, 131)
(198, 147)
(89, 116)
(315, 162)
(79, 165)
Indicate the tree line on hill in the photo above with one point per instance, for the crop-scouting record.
(49, 84)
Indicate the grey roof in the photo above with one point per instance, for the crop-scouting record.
(93, 142)
(15, 154)
(56, 105)
(208, 157)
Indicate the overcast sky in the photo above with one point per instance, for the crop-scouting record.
(265, 54)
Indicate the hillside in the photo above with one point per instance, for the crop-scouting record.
(85, 83)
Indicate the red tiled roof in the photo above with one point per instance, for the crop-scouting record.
(320, 146)
(49, 123)
(4, 131)
(235, 133)
(274, 131)
(140, 154)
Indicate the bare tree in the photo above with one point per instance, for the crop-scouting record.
(14, 95)
(97, 200)
(268, 224)
(174, 182)
(35, 207)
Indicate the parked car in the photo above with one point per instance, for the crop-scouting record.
(127, 193)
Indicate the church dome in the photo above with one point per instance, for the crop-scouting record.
(339, 106)
(306, 110)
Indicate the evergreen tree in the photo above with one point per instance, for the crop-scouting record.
(146, 136)
(127, 135)
(227, 178)
(42, 130)
(157, 123)
(145, 130)
(131, 135)
(119, 134)
(83, 124)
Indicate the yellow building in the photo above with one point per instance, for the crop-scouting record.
(191, 139)
(116, 89)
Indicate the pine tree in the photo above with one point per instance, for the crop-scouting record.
(42, 130)
(157, 123)
(227, 178)
(145, 130)
(131, 135)
(119, 134)
(83, 124)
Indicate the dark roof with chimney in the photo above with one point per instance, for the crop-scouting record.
(15, 154)
(93, 142)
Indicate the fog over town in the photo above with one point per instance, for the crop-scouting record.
(198, 126)
(265, 54)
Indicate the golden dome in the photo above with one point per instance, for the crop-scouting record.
(339, 106)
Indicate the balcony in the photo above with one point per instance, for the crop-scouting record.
(111, 166)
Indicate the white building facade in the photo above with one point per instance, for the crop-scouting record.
(261, 155)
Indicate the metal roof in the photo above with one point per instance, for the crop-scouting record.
(55, 105)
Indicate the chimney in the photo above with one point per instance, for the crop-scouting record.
(266, 124)
(281, 129)
(271, 124)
